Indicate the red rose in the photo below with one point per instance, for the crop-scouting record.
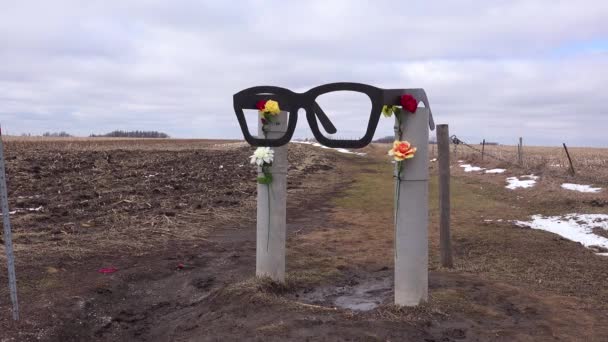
(409, 103)
(260, 105)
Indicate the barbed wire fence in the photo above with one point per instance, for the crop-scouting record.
(532, 162)
(456, 141)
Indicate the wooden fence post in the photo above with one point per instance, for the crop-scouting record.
(569, 160)
(520, 152)
(483, 147)
(443, 148)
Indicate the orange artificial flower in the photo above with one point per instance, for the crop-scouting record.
(402, 150)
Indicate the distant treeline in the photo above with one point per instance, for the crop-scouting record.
(385, 140)
(132, 134)
(54, 134)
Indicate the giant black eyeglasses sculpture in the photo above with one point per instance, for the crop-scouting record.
(292, 102)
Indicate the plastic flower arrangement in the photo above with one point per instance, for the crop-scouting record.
(402, 150)
(267, 109)
(263, 157)
(408, 103)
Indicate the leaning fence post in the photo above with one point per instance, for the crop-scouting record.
(411, 226)
(443, 141)
(272, 208)
(569, 160)
(483, 147)
(8, 239)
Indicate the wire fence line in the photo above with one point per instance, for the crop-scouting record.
(457, 141)
(591, 164)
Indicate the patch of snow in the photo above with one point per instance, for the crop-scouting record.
(341, 150)
(496, 171)
(319, 145)
(28, 197)
(514, 183)
(433, 160)
(574, 227)
(580, 187)
(471, 168)
(461, 161)
(530, 176)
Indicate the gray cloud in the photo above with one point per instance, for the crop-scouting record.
(498, 70)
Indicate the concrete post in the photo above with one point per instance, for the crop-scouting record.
(272, 208)
(411, 236)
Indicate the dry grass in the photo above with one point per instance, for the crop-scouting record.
(591, 164)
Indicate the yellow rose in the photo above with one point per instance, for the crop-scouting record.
(272, 107)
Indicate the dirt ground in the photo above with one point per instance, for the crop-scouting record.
(177, 221)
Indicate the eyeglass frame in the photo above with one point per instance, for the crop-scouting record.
(292, 102)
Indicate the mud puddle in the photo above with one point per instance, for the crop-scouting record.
(356, 295)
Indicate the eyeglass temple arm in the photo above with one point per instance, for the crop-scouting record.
(425, 100)
(420, 95)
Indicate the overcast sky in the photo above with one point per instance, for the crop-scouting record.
(492, 69)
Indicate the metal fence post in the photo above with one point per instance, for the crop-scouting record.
(8, 239)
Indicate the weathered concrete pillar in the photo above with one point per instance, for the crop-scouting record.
(411, 236)
(272, 208)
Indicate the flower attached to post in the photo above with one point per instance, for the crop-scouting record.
(402, 150)
(409, 103)
(260, 105)
(263, 157)
(272, 107)
(388, 111)
(267, 109)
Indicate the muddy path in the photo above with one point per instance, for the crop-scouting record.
(156, 216)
